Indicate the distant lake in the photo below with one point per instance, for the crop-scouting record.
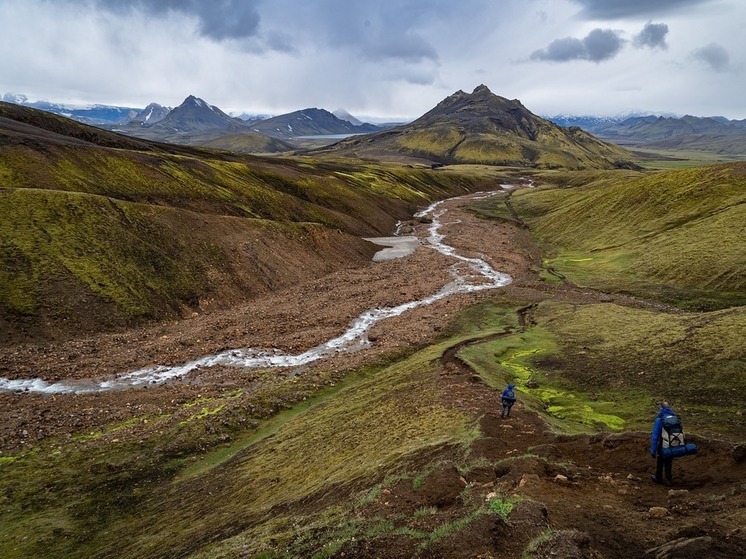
(331, 136)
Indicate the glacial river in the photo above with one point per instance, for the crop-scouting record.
(469, 275)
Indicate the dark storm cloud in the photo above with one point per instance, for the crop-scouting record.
(597, 46)
(715, 56)
(218, 19)
(613, 9)
(377, 31)
(653, 35)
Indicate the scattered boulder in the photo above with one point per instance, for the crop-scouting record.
(532, 383)
(739, 452)
(678, 494)
(658, 512)
(685, 548)
(565, 543)
(559, 478)
(528, 478)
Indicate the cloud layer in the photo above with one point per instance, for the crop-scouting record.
(394, 58)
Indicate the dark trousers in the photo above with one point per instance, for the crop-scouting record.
(661, 464)
(507, 406)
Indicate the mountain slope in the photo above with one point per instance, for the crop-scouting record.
(714, 134)
(247, 142)
(484, 128)
(151, 114)
(677, 234)
(194, 115)
(197, 123)
(99, 230)
(309, 122)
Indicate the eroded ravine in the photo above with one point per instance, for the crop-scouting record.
(469, 275)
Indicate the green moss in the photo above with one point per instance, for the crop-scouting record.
(674, 235)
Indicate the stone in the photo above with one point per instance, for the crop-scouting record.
(559, 478)
(528, 478)
(533, 383)
(657, 512)
(677, 494)
(683, 548)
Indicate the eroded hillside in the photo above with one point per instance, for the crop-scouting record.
(102, 231)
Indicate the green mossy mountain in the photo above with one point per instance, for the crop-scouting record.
(485, 128)
(676, 234)
(99, 230)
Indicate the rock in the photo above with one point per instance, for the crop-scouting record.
(567, 543)
(677, 494)
(559, 478)
(739, 452)
(684, 548)
(528, 478)
(533, 383)
(657, 512)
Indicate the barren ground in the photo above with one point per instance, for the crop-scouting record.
(605, 495)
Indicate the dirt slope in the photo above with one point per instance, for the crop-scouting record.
(586, 496)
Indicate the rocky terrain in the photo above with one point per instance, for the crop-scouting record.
(518, 488)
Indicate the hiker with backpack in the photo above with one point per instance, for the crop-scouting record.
(508, 399)
(667, 442)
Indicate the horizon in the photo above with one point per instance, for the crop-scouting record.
(371, 119)
(384, 59)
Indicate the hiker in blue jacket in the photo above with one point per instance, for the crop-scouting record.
(662, 462)
(508, 399)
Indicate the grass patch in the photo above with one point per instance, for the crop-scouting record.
(674, 236)
(606, 366)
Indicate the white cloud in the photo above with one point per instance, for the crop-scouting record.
(379, 58)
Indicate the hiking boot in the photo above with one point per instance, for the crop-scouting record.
(667, 482)
(656, 480)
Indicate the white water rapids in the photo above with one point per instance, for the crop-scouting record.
(469, 275)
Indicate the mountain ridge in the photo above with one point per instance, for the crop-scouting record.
(484, 128)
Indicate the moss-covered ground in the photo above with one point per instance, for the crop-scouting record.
(604, 366)
(675, 236)
(100, 238)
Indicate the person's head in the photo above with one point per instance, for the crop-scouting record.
(510, 387)
(664, 404)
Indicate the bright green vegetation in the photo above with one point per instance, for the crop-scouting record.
(99, 491)
(246, 142)
(105, 237)
(676, 236)
(229, 467)
(667, 159)
(552, 148)
(605, 366)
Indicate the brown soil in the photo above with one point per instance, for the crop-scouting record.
(601, 508)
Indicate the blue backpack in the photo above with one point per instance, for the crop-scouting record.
(673, 444)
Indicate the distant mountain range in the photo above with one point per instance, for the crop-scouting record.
(88, 114)
(485, 128)
(195, 122)
(715, 134)
(712, 134)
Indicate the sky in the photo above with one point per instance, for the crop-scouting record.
(380, 58)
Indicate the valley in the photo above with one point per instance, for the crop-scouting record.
(621, 288)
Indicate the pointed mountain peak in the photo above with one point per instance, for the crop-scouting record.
(481, 90)
(192, 100)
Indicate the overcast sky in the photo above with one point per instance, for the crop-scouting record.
(384, 58)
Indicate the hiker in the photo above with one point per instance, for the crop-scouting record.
(508, 399)
(656, 446)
